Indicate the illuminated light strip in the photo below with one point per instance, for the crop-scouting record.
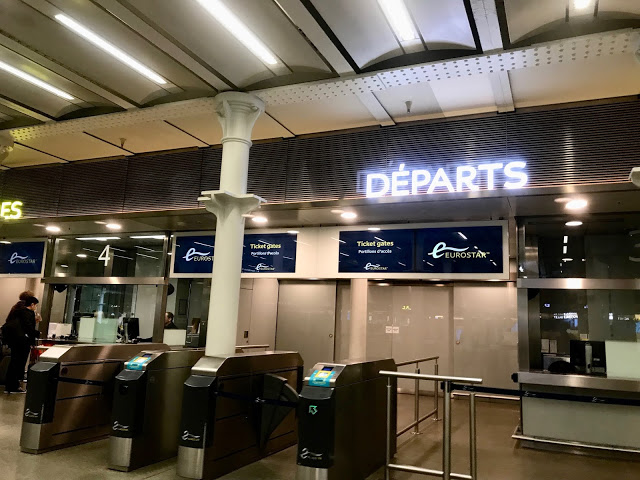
(399, 19)
(239, 30)
(111, 49)
(35, 81)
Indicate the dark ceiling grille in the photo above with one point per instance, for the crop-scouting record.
(573, 146)
(37, 188)
(88, 187)
(163, 182)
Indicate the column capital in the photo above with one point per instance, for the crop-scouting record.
(237, 113)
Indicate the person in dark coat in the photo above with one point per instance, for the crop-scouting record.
(168, 321)
(19, 333)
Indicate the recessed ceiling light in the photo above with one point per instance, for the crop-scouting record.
(439, 285)
(64, 266)
(576, 204)
(314, 278)
(337, 211)
(238, 29)
(111, 49)
(581, 4)
(349, 215)
(292, 232)
(573, 223)
(34, 81)
(374, 229)
(100, 223)
(147, 237)
(97, 239)
(5, 242)
(81, 255)
(399, 19)
(52, 229)
(566, 239)
(382, 284)
(567, 259)
(562, 200)
(259, 219)
(113, 226)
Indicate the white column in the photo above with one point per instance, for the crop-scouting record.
(359, 312)
(237, 113)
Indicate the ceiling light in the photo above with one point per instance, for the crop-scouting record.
(439, 284)
(259, 219)
(292, 232)
(109, 48)
(383, 284)
(100, 223)
(147, 237)
(52, 229)
(573, 223)
(399, 19)
(5, 242)
(81, 255)
(581, 4)
(562, 200)
(566, 239)
(373, 229)
(567, 259)
(34, 81)
(348, 215)
(564, 249)
(113, 226)
(234, 25)
(64, 266)
(337, 211)
(576, 204)
(97, 239)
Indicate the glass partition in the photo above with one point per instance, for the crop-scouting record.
(109, 256)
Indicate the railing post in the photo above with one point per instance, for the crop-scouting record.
(446, 433)
(435, 391)
(389, 423)
(417, 402)
(473, 452)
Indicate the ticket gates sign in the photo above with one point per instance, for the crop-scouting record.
(21, 258)
(446, 250)
(261, 253)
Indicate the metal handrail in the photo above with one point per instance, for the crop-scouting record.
(447, 383)
(416, 408)
(420, 360)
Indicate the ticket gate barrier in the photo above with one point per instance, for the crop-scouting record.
(236, 410)
(70, 393)
(343, 420)
(146, 407)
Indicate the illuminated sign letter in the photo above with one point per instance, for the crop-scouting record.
(463, 180)
(11, 210)
(5, 209)
(440, 180)
(416, 183)
(510, 171)
(490, 168)
(397, 183)
(370, 184)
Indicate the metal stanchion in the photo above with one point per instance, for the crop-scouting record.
(473, 453)
(446, 433)
(389, 412)
(417, 403)
(435, 392)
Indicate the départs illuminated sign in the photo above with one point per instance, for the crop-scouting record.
(10, 210)
(413, 182)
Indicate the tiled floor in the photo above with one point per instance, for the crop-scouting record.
(498, 457)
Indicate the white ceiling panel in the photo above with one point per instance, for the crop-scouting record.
(361, 27)
(148, 137)
(206, 38)
(207, 128)
(626, 6)
(464, 93)
(524, 16)
(422, 98)
(75, 146)
(268, 22)
(323, 115)
(443, 25)
(606, 77)
(23, 157)
(55, 41)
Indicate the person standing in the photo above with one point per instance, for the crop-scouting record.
(168, 322)
(19, 334)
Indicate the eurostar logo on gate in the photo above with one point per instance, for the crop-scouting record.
(15, 258)
(193, 255)
(441, 250)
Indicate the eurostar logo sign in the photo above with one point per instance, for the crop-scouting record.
(442, 250)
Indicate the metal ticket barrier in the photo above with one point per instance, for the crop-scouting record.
(70, 393)
(236, 410)
(343, 419)
(146, 407)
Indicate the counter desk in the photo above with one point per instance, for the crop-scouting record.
(580, 413)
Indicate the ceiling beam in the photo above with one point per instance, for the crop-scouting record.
(24, 110)
(486, 16)
(501, 87)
